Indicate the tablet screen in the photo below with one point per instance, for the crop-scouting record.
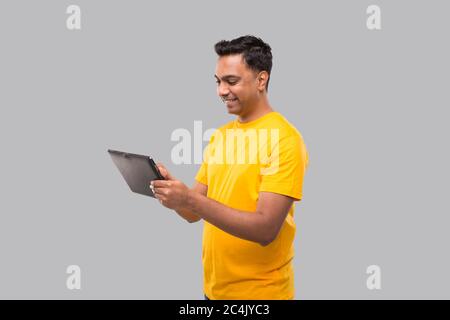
(137, 170)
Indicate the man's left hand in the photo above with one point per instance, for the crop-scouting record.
(172, 194)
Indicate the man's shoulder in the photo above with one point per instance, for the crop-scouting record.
(286, 128)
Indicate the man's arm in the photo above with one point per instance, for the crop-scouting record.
(261, 226)
(200, 188)
(187, 214)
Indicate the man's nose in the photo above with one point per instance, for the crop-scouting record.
(223, 90)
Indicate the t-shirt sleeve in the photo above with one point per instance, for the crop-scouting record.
(202, 174)
(284, 171)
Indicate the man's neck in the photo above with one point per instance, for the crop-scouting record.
(257, 112)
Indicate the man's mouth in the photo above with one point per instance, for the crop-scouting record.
(229, 100)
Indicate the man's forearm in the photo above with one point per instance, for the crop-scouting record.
(187, 215)
(252, 226)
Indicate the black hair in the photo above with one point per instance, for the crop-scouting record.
(257, 54)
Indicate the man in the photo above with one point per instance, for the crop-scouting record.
(247, 206)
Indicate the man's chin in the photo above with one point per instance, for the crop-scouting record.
(235, 111)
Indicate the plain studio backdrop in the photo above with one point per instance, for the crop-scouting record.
(372, 107)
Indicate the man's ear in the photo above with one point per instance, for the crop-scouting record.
(262, 78)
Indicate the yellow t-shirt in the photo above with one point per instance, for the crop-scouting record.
(235, 268)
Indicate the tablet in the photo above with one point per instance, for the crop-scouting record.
(137, 170)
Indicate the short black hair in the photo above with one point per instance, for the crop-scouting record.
(257, 54)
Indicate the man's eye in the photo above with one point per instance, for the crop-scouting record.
(231, 83)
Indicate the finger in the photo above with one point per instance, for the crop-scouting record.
(162, 169)
(157, 190)
(160, 196)
(161, 184)
(160, 192)
(165, 173)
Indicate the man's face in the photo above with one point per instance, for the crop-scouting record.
(237, 84)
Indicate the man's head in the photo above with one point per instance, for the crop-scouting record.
(243, 72)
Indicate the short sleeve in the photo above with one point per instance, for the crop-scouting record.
(202, 174)
(287, 163)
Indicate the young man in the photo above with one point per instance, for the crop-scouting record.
(244, 193)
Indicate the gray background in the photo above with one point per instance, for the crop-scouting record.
(372, 107)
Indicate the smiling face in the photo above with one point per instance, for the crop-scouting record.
(238, 86)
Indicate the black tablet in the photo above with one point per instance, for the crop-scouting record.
(137, 170)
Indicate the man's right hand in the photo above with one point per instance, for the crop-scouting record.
(198, 187)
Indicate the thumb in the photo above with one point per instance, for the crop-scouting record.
(164, 172)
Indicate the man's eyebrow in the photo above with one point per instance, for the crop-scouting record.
(226, 77)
